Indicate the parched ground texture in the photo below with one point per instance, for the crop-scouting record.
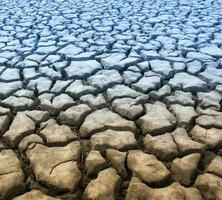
(110, 99)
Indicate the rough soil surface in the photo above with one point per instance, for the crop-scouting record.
(110, 100)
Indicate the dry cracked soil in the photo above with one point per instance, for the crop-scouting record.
(110, 100)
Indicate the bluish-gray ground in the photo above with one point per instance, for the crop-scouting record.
(110, 99)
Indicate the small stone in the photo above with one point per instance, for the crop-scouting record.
(185, 114)
(74, 115)
(46, 49)
(4, 111)
(162, 146)
(194, 67)
(121, 140)
(131, 77)
(212, 76)
(30, 73)
(37, 116)
(95, 102)
(212, 138)
(111, 60)
(35, 195)
(56, 134)
(147, 167)
(210, 186)
(70, 51)
(209, 121)
(56, 166)
(94, 162)
(18, 103)
(77, 89)
(208, 111)
(187, 83)
(219, 89)
(10, 74)
(179, 66)
(146, 84)
(212, 50)
(161, 93)
(144, 66)
(84, 56)
(105, 79)
(46, 100)
(4, 124)
(24, 93)
(127, 107)
(139, 190)
(2, 146)
(105, 186)
(41, 84)
(121, 91)
(117, 160)
(104, 119)
(149, 55)
(184, 169)
(157, 119)
(60, 102)
(192, 193)
(82, 69)
(185, 144)
(50, 72)
(9, 88)
(11, 175)
(162, 67)
(20, 127)
(210, 99)
(215, 166)
(60, 86)
(33, 138)
(199, 56)
(180, 97)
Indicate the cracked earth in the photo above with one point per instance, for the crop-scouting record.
(110, 100)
